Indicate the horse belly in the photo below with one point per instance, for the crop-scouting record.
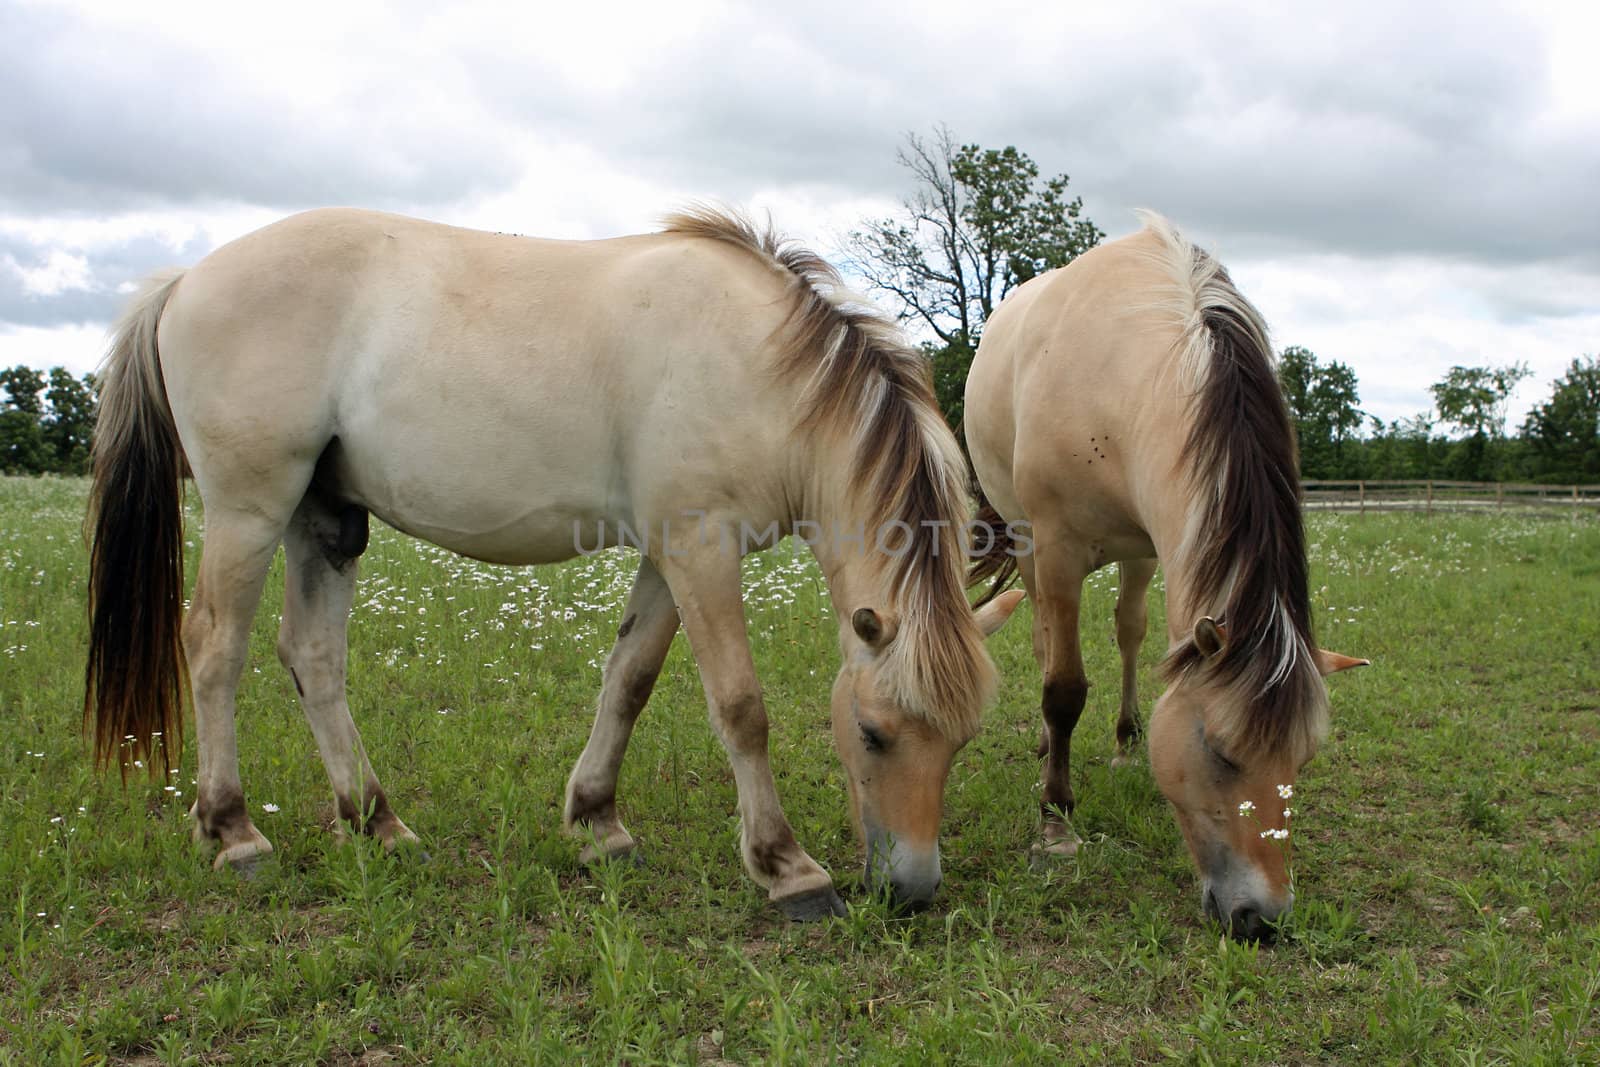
(482, 495)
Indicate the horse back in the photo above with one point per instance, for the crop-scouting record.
(485, 391)
(1073, 410)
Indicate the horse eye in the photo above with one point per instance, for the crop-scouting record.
(1223, 761)
(872, 739)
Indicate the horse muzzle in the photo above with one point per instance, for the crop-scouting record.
(1246, 916)
(911, 875)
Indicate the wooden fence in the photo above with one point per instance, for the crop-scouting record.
(1431, 496)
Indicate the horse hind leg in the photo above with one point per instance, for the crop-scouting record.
(643, 639)
(1135, 577)
(239, 547)
(320, 550)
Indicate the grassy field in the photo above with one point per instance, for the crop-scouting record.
(1447, 843)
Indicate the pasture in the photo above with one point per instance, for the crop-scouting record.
(1446, 843)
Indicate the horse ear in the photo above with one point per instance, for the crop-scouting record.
(1209, 636)
(994, 614)
(873, 629)
(1334, 662)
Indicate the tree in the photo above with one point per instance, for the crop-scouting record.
(67, 428)
(23, 386)
(36, 438)
(1564, 431)
(977, 224)
(1407, 447)
(1297, 373)
(1335, 397)
(1474, 401)
(22, 447)
(1323, 402)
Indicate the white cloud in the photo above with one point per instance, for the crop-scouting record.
(1402, 324)
(77, 348)
(61, 272)
(1398, 188)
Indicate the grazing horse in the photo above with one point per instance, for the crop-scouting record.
(506, 398)
(1126, 407)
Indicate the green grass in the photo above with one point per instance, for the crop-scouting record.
(1447, 855)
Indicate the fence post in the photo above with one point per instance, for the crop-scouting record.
(1499, 496)
(1363, 487)
(1430, 497)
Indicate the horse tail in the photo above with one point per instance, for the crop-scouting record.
(133, 685)
(997, 563)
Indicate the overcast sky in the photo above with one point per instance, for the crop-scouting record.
(1399, 188)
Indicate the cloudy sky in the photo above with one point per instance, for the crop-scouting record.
(1399, 188)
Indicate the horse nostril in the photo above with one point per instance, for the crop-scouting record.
(911, 905)
(1247, 924)
(908, 898)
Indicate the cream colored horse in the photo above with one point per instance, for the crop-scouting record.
(507, 398)
(1126, 406)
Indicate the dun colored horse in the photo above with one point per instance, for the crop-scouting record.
(1126, 407)
(505, 397)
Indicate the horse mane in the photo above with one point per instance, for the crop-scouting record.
(863, 383)
(1245, 546)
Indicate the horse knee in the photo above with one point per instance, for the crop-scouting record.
(208, 648)
(742, 721)
(634, 691)
(1130, 631)
(1063, 704)
(196, 628)
(286, 646)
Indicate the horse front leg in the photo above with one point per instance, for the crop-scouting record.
(643, 640)
(1135, 577)
(706, 588)
(1054, 581)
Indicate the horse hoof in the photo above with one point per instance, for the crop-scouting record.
(406, 847)
(632, 856)
(591, 855)
(1048, 855)
(412, 852)
(812, 905)
(1124, 761)
(245, 860)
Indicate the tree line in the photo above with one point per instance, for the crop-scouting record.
(1559, 440)
(978, 223)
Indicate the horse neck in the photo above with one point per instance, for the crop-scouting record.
(1184, 606)
(843, 539)
(1170, 519)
